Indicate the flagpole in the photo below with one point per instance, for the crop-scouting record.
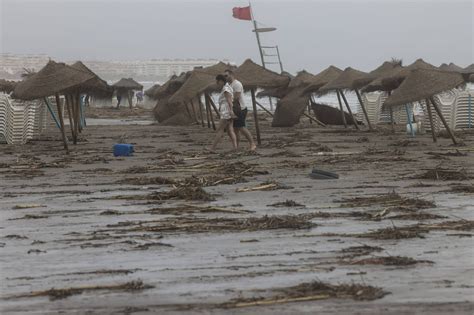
(257, 35)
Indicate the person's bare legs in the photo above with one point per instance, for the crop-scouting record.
(220, 132)
(248, 136)
(232, 135)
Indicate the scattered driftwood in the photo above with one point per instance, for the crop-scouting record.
(183, 193)
(187, 209)
(312, 291)
(466, 189)
(147, 181)
(287, 203)
(55, 294)
(392, 199)
(265, 186)
(444, 174)
(193, 224)
(389, 261)
(363, 250)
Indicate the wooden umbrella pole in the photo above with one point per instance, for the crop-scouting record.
(440, 114)
(208, 100)
(430, 115)
(341, 109)
(74, 115)
(364, 110)
(61, 122)
(187, 110)
(255, 116)
(194, 112)
(315, 120)
(79, 112)
(392, 121)
(309, 113)
(207, 112)
(69, 114)
(213, 106)
(263, 107)
(200, 110)
(349, 109)
(130, 100)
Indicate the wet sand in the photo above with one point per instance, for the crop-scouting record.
(124, 235)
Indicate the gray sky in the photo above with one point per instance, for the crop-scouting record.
(311, 34)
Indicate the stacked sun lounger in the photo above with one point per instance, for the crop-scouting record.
(464, 110)
(22, 121)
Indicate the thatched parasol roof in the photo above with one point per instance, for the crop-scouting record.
(94, 85)
(423, 83)
(7, 86)
(290, 108)
(194, 85)
(322, 78)
(471, 78)
(392, 78)
(345, 80)
(303, 78)
(53, 78)
(255, 76)
(152, 90)
(218, 68)
(451, 67)
(127, 84)
(386, 68)
(469, 69)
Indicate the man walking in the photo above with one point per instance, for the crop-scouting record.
(240, 110)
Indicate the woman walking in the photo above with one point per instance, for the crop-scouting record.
(225, 111)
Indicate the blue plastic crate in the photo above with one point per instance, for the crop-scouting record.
(122, 149)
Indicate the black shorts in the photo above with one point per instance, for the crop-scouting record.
(239, 122)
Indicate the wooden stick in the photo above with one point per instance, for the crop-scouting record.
(440, 114)
(187, 110)
(315, 120)
(430, 115)
(342, 110)
(130, 98)
(349, 109)
(364, 110)
(194, 112)
(79, 112)
(262, 107)
(255, 117)
(207, 112)
(200, 110)
(392, 121)
(213, 106)
(61, 122)
(208, 100)
(69, 113)
(309, 113)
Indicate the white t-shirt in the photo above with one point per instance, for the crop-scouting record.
(238, 87)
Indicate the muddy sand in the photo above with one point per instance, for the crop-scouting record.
(177, 230)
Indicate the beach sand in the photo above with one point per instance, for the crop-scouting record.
(176, 230)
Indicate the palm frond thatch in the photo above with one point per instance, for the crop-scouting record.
(393, 78)
(51, 79)
(344, 81)
(290, 108)
(193, 86)
(322, 78)
(423, 83)
(254, 76)
(127, 84)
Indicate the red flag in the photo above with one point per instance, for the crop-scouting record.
(242, 13)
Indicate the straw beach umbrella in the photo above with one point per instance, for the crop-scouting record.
(293, 101)
(7, 86)
(125, 86)
(253, 76)
(322, 78)
(152, 90)
(423, 84)
(346, 81)
(54, 79)
(451, 67)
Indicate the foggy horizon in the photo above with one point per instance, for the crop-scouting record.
(311, 35)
